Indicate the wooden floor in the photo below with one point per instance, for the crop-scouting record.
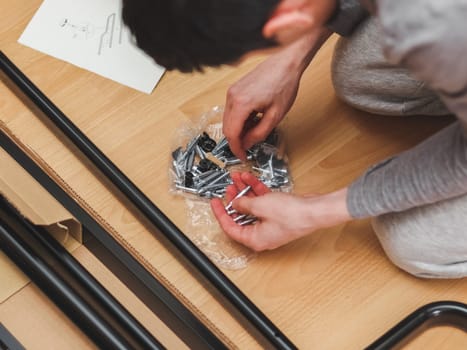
(332, 290)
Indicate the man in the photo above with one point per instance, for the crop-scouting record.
(408, 59)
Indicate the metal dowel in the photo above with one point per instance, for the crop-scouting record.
(147, 208)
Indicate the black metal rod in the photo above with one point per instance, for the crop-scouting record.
(149, 210)
(191, 330)
(446, 313)
(58, 291)
(92, 286)
(8, 341)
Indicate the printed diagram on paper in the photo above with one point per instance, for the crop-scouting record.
(109, 35)
(91, 35)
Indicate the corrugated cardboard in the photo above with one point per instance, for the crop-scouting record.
(36, 204)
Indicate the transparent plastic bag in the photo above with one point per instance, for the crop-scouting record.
(204, 231)
(200, 168)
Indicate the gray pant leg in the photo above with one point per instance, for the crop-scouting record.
(427, 241)
(363, 78)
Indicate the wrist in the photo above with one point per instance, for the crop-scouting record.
(299, 53)
(311, 44)
(329, 209)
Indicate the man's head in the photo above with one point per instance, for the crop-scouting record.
(191, 34)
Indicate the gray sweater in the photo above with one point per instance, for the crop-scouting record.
(429, 37)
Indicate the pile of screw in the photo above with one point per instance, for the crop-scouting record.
(202, 167)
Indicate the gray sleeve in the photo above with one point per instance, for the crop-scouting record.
(428, 37)
(348, 15)
(434, 170)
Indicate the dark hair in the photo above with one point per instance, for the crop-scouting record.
(190, 34)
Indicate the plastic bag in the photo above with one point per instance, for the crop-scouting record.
(201, 163)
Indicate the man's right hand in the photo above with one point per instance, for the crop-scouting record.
(270, 89)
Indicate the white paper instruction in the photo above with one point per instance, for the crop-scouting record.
(90, 34)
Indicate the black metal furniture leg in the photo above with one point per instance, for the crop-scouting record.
(442, 313)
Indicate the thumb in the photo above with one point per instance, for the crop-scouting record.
(261, 130)
(244, 205)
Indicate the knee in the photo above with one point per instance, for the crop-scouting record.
(411, 247)
(428, 39)
(345, 78)
(349, 71)
(394, 245)
(363, 79)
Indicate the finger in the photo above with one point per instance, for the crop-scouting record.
(238, 233)
(258, 188)
(244, 205)
(233, 122)
(221, 215)
(241, 181)
(238, 181)
(230, 193)
(252, 120)
(236, 177)
(260, 131)
(242, 234)
(241, 184)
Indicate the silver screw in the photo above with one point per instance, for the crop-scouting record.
(187, 189)
(240, 217)
(232, 161)
(208, 180)
(239, 194)
(215, 181)
(248, 221)
(219, 145)
(200, 152)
